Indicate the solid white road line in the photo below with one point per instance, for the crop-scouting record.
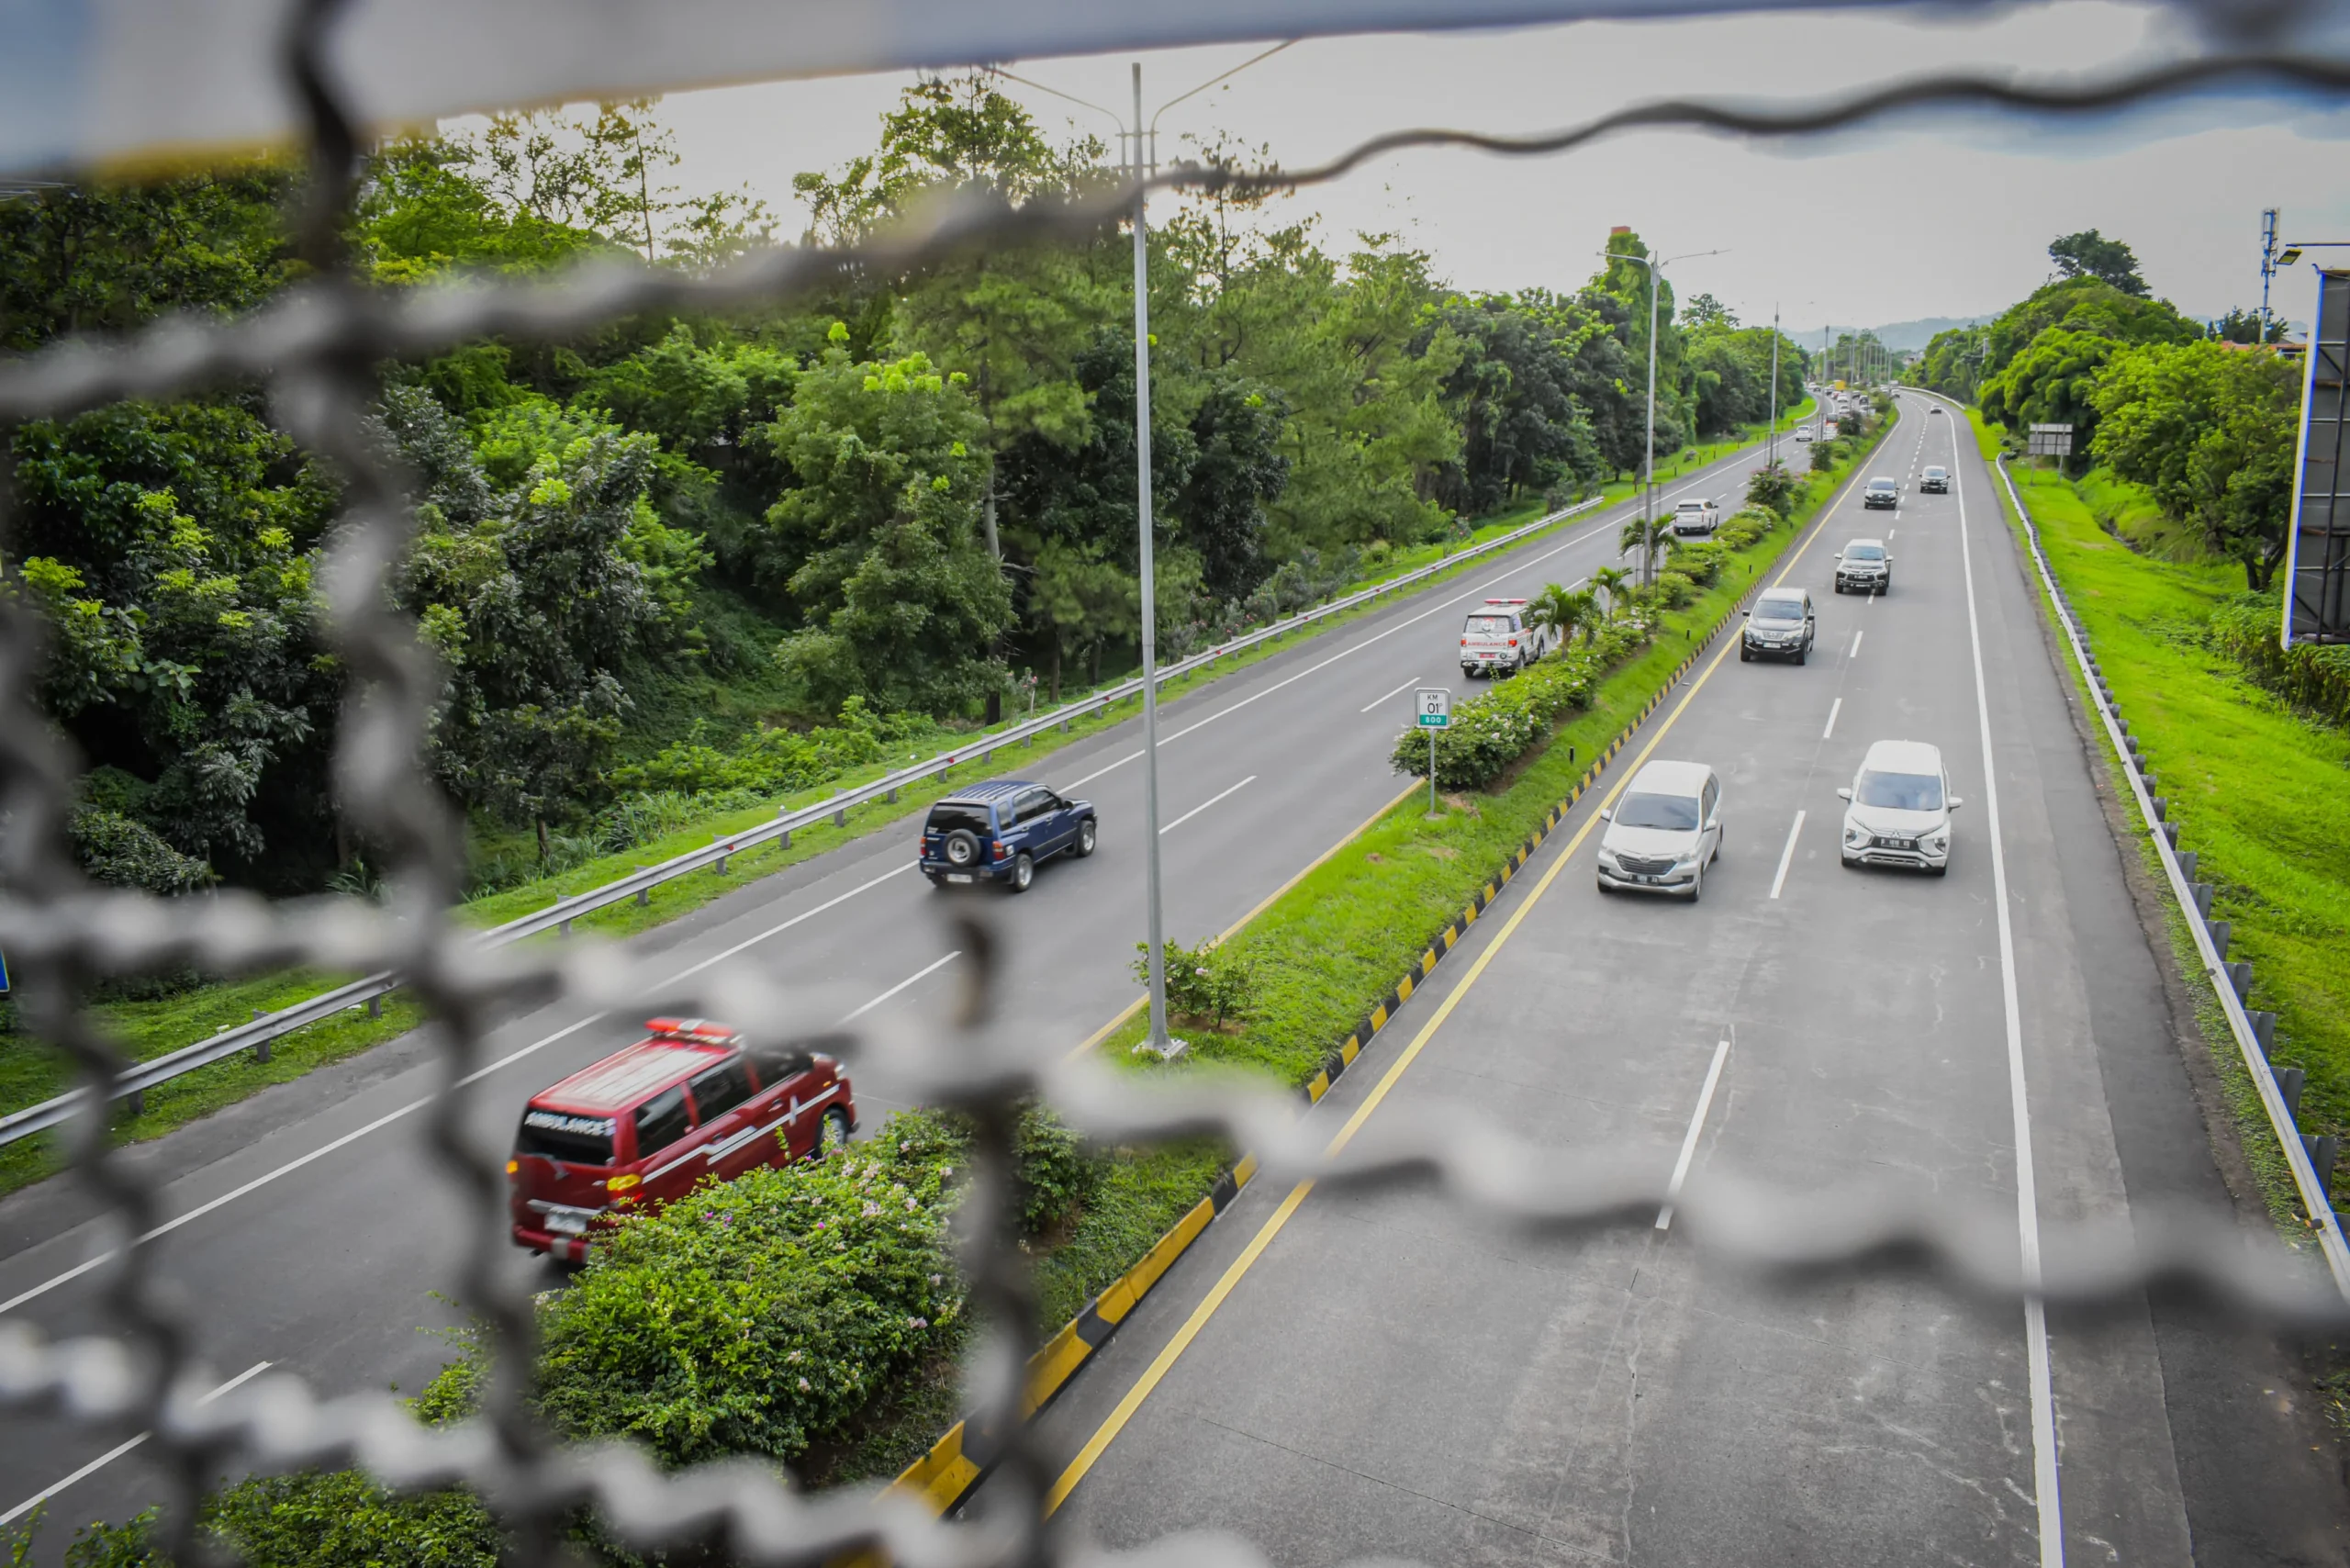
(2035, 1316)
(1833, 709)
(116, 1452)
(1857, 642)
(1786, 856)
(1204, 805)
(926, 969)
(1689, 1144)
(1385, 695)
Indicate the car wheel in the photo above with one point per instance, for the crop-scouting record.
(831, 1136)
(1085, 838)
(1941, 870)
(1604, 889)
(1024, 871)
(1802, 654)
(1745, 655)
(1698, 887)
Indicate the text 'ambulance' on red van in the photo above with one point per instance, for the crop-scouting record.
(648, 1124)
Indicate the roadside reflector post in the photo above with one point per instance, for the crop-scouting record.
(840, 818)
(374, 1007)
(261, 1047)
(720, 866)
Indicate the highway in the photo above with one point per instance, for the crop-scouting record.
(304, 1229)
(1340, 1376)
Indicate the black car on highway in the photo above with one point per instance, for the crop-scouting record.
(1882, 494)
(1000, 831)
(1935, 481)
(1780, 626)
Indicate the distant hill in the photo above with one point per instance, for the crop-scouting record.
(1900, 336)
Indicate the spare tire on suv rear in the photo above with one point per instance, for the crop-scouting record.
(962, 847)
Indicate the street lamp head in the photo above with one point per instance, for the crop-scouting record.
(2288, 255)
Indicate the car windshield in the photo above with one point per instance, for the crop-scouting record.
(1864, 551)
(1490, 626)
(947, 816)
(1881, 485)
(557, 1134)
(1899, 792)
(1677, 812)
(1933, 474)
(1778, 610)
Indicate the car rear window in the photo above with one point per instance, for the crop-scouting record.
(1677, 812)
(946, 817)
(1778, 610)
(1694, 506)
(558, 1134)
(1899, 792)
(1490, 625)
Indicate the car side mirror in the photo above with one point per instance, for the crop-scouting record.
(1748, 613)
(1956, 801)
(1607, 815)
(1843, 794)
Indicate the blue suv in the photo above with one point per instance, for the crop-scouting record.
(998, 831)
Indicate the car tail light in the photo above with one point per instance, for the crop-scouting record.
(1513, 641)
(513, 1167)
(999, 849)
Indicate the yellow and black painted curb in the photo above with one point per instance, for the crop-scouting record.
(961, 1459)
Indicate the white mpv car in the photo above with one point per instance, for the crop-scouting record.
(1900, 808)
(1664, 832)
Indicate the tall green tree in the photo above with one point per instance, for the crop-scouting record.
(2210, 430)
(2091, 255)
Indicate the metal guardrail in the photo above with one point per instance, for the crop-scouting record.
(2228, 980)
(258, 1035)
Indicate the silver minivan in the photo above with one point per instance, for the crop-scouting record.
(1899, 809)
(1663, 832)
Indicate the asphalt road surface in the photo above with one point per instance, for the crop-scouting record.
(304, 1229)
(1347, 1376)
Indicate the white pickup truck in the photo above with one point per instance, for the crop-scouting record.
(1495, 639)
(1694, 516)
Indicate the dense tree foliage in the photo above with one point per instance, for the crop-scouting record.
(2203, 416)
(879, 505)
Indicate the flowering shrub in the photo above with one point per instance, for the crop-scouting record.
(758, 1315)
(1208, 984)
(1493, 730)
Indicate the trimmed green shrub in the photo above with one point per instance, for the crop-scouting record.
(759, 1315)
(1056, 1175)
(1209, 983)
(1674, 589)
(1493, 730)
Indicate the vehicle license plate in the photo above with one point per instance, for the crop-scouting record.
(1901, 844)
(959, 876)
(567, 1224)
(1646, 876)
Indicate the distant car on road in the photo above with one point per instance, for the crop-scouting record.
(1863, 566)
(1663, 832)
(1934, 407)
(1495, 639)
(1934, 482)
(647, 1125)
(1882, 494)
(1900, 807)
(1001, 832)
(1780, 626)
(1696, 516)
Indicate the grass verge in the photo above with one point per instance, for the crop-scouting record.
(30, 1072)
(2255, 787)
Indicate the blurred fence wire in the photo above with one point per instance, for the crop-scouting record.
(315, 350)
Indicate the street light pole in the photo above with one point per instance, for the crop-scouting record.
(1160, 1041)
(1771, 449)
(1648, 499)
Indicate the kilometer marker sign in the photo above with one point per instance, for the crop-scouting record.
(1433, 705)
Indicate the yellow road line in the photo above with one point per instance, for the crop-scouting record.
(1107, 1433)
(1264, 904)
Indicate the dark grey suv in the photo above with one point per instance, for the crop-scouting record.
(1882, 495)
(1780, 626)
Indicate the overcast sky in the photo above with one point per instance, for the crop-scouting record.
(1946, 217)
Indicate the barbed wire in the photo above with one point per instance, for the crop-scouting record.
(316, 350)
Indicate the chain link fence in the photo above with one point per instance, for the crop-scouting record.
(315, 350)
